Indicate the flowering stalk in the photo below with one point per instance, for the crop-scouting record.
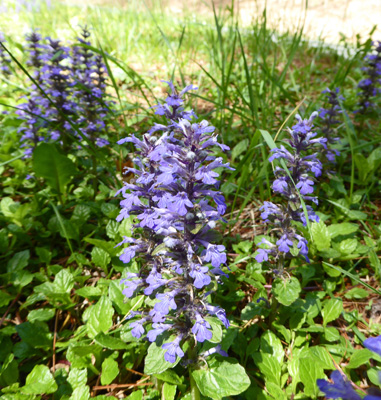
(74, 79)
(175, 203)
(89, 76)
(329, 119)
(303, 168)
(33, 109)
(57, 84)
(369, 87)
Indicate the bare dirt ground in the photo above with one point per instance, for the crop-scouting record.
(323, 19)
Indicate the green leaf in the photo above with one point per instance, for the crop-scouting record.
(320, 236)
(331, 334)
(119, 300)
(100, 317)
(215, 325)
(374, 260)
(359, 357)
(169, 391)
(100, 257)
(309, 372)
(77, 377)
(221, 379)
(110, 371)
(331, 310)
(104, 245)
(269, 367)
(36, 334)
(54, 167)
(80, 356)
(169, 376)
(44, 255)
(81, 213)
(42, 314)
(374, 376)
(9, 372)
(357, 293)
(331, 271)
(348, 246)
(110, 210)
(271, 344)
(39, 381)
(155, 362)
(240, 148)
(110, 342)
(89, 291)
(363, 166)
(346, 228)
(63, 282)
(80, 393)
(320, 355)
(276, 391)
(18, 261)
(125, 228)
(138, 395)
(286, 290)
(112, 229)
(5, 299)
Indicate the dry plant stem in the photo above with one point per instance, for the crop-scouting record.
(117, 386)
(9, 308)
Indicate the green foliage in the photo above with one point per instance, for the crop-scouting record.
(221, 378)
(62, 309)
(55, 168)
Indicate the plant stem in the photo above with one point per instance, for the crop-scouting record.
(195, 392)
(95, 179)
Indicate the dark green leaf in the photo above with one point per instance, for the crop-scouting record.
(54, 167)
(110, 342)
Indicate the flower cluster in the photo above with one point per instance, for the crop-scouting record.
(33, 110)
(175, 203)
(341, 387)
(299, 172)
(329, 119)
(74, 80)
(370, 86)
(89, 76)
(4, 58)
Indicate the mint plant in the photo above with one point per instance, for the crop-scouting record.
(174, 205)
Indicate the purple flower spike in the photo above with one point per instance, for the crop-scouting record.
(175, 203)
(370, 86)
(340, 388)
(294, 178)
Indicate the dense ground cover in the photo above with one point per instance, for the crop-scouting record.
(63, 331)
